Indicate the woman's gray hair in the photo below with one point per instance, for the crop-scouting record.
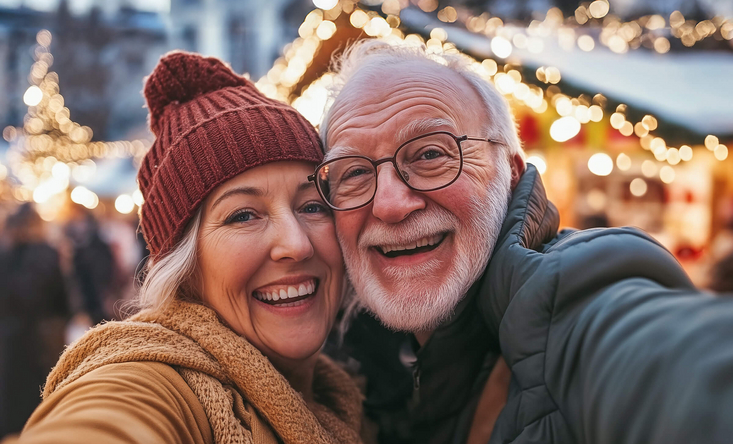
(170, 276)
(376, 55)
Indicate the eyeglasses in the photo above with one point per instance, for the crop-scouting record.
(425, 163)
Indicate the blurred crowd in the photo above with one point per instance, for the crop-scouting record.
(56, 280)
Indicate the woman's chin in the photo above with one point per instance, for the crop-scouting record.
(294, 351)
(295, 342)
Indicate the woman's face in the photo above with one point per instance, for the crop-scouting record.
(269, 262)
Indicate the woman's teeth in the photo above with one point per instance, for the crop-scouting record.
(284, 292)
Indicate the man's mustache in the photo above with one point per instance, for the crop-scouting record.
(416, 226)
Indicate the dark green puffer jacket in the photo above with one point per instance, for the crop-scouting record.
(607, 339)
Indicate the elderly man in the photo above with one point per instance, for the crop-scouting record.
(449, 237)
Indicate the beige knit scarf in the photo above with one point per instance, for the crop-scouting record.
(213, 359)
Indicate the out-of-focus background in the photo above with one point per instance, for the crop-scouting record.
(624, 106)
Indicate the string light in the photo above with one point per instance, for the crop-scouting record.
(638, 187)
(667, 174)
(600, 164)
(620, 37)
(538, 161)
(564, 129)
(83, 196)
(623, 162)
(325, 4)
(574, 112)
(711, 142)
(685, 153)
(137, 198)
(721, 152)
(124, 204)
(33, 96)
(649, 168)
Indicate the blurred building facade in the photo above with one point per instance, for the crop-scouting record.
(18, 29)
(100, 59)
(247, 34)
(103, 53)
(616, 168)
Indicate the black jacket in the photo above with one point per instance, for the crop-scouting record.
(426, 394)
(607, 339)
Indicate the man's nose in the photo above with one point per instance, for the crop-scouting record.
(394, 200)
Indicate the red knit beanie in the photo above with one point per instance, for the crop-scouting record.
(210, 125)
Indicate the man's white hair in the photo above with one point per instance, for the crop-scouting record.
(375, 55)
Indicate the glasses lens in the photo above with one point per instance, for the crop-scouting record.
(348, 182)
(430, 162)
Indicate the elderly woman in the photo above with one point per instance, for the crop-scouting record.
(242, 288)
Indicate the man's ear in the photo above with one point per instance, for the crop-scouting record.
(516, 162)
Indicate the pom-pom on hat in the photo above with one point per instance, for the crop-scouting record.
(210, 125)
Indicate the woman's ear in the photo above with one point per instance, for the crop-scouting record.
(193, 288)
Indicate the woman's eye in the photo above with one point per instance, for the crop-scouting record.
(314, 208)
(241, 216)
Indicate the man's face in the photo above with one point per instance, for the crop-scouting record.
(412, 255)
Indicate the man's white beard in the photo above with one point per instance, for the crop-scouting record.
(415, 302)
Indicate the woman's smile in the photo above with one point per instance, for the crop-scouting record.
(287, 292)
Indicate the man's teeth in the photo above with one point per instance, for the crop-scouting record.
(286, 291)
(424, 242)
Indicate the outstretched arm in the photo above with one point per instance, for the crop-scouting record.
(120, 403)
(654, 365)
(635, 353)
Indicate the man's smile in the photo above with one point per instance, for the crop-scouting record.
(425, 244)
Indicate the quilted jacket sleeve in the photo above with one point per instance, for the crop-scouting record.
(635, 354)
(607, 339)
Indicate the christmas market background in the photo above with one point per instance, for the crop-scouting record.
(624, 107)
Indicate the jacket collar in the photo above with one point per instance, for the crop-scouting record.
(531, 222)
(531, 219)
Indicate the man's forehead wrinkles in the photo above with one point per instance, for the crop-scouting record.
(352, 99)
(350, 118)
(421, 126)
(342, 150)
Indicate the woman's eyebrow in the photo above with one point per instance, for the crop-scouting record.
(249, 191)
(306, 186)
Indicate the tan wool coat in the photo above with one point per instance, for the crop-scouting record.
(178, 375)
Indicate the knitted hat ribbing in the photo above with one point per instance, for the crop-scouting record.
(210, 125)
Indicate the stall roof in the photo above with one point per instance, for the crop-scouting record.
(693, 89)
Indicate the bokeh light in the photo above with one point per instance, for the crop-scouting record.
(124, 204)
(638, 187)
(564, 129)
(538, 161)
(33, 96)
(600, 164)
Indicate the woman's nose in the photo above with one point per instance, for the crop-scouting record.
(291, 241)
